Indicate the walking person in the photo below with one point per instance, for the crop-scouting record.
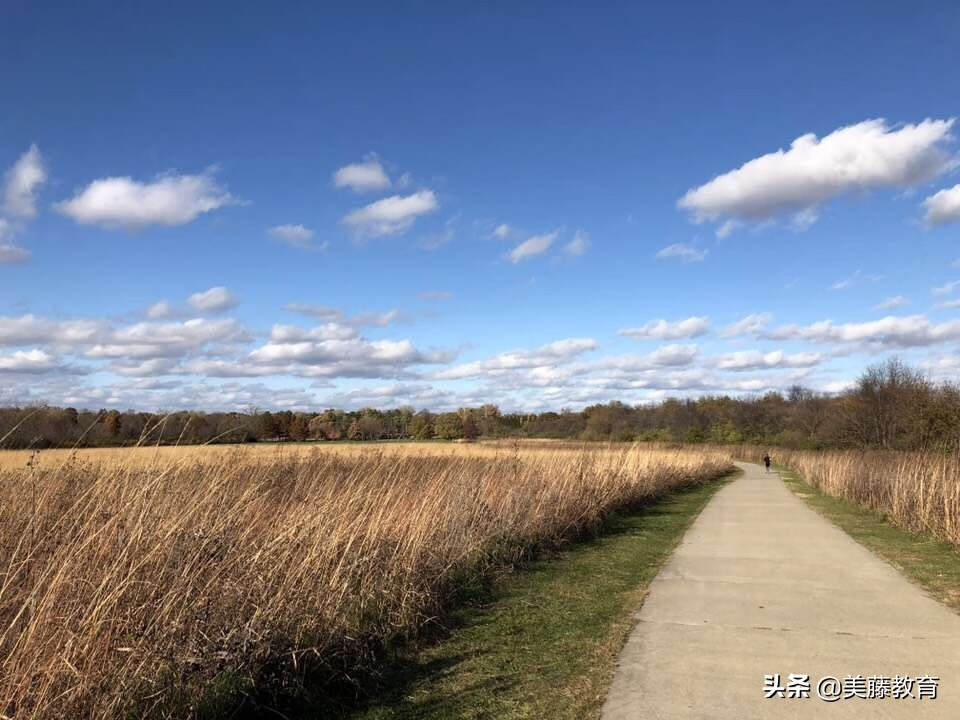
(766, 462)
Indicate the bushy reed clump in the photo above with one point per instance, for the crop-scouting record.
(916, 491)
(126, 588)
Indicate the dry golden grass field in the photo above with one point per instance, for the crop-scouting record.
(156, 582)
(916, 491)
(166, 454)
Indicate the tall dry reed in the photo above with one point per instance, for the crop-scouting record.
(917, 491)
(125, 588)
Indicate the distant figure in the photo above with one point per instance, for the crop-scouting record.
(766, 462)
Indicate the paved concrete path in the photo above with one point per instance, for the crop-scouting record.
(762, 584)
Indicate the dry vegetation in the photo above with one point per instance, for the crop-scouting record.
(916, 491)
(126, 586)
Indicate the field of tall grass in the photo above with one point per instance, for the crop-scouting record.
(916, 491)
(150, 586)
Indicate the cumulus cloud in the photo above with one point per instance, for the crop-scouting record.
(32, 329)
(858, 157)
(22, 182)
(889, 332)
(98, 339)
(502, 231)
(159, 310)
(216, 299)
(148, 394)
(122, 202)
(943, 206)
(747, 325)
(896, 301)
(396, 395)
(319, 353)
(544, 356)
(664, 356)
(363, 176)
(27, 361)
(579, 245)
(665, 330)
(531, 247)
(683, 252)
(392, 215)
(756, 360)
(19, 191)
(167, 340)
(297, 236)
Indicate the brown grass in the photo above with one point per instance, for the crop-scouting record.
(130, 583)
(916, 491)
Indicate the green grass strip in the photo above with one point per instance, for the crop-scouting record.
(542, 641)
(931, 563)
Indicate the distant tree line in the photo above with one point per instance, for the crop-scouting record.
(892, 406)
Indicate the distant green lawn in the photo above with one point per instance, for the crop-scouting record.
(540, 642)
(931, 563)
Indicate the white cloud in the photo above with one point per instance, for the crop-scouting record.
(663, 356)
(9, 252)
(329, 314)
(32, 329)
(664, 330)
(945, 289)
(167, 340)
(579, 245)
(943, 206)
(726, 228)
(531, 247)
(159, 310)
(890, 303)
(12, 254)
(858, 157)
(440, 238)
(297, 236)
(216, 299)
(683, 252)
(392, 215)
(502, 231)
(949, 305)
(396, 395)
(756, 360)
(545, 356)
(22, 182)
(888, 332)
(857, 278)
(747, 325)
(121, 202)
(320, 352)
(148, 394)
(363, 176)
(27, 361)
(143, 340)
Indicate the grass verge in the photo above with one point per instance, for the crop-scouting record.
(931, 563)
(538, 643)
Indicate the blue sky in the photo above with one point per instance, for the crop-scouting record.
(225, 205)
